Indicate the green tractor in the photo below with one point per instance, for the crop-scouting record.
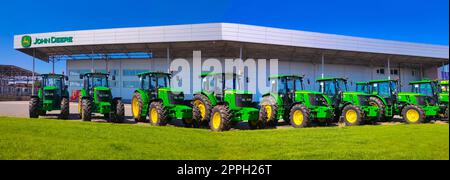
(96, 97)
(222, 104)
(157, 100)
(413, 107)
(437, 91)
(289, 101)
(52, 95)
(355, 108)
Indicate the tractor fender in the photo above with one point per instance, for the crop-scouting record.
(380, 98)
(277, 98)
(210, 96)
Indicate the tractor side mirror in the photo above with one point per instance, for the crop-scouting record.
(309, 82)
(113, 78)
(81, 76)
(66, 78)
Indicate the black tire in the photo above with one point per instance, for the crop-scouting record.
(305, 112)
(381, 106)
(359, 115)
(197, 118)
(263, 122)
(34, 108)
(137, 96)
(161, 118)
(224, 123)
(119, 111)
(64, 109)
(421, 113)
(86, 109)
(271, 121)
(446, 114)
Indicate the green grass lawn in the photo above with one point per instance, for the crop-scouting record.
(57, 139)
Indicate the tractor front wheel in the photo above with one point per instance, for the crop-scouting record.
(119, 111)
(86, 109)
(137, 105)
(158, 114)
(34, 108)
(64, 109)
(413, 114)
(221, 118)
(352, 115)
(299, 116)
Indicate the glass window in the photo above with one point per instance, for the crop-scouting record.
(342, 85)
(75, 83)
(382, 89)
(98, 81)
(328, 88)
(131, 84)
(53, 81)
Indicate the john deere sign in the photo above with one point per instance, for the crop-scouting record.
(27, 41)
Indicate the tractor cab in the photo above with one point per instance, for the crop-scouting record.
(156, 84)
(386, 89)
(96, 82)
(333, 88)
(286, 85)
(220, 84)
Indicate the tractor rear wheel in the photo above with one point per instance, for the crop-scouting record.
(352, 115)
(201, 110)
(446, 114)
(270, 106)
(86, 109)
(157, 114)
(119, 111)
(34, 107)
(413, 114)
(137, 106)
(221, 118)
(299, 116)
(374, 101)
(64, 109)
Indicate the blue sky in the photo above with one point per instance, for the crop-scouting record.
(412, 20)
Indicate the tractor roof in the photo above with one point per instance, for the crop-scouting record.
(277, 76)
(443, 82)
(216, 74)
(422, 81)
(96, 73)
(362, 83)
(383, 80)
(331, 78)
(53, 75)
(151, 72)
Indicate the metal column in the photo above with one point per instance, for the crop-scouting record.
(389, 68)
(33, 76)
(168, 59)
(53, 64)
(92, 62)
(323, 65)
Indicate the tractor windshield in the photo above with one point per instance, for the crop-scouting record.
(285, 85)
(384, 89)
(98, 81)
(155, 81)
(220, 82)
(341, 85)
(423, 88)
(52, 81)
(333, 87)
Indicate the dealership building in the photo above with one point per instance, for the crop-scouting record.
(124, 52)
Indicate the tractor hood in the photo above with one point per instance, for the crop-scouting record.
(410, 94)
(173, 90)
(49, 88)
(100, 88)
(355, 93)
(307, 92)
